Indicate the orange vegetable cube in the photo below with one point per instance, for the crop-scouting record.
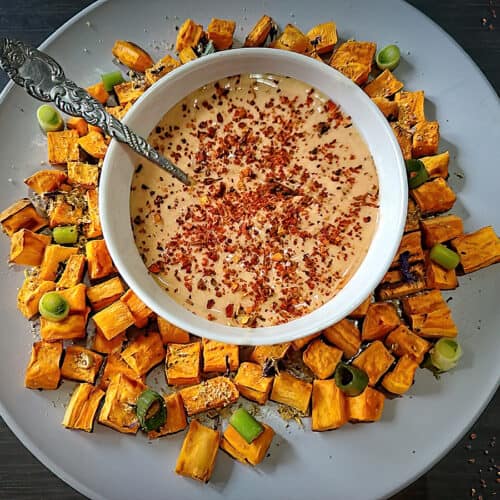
(75, 296)
(375, 360)
(411, 108)
(434, 196)
(82, 407)
(404, 139)
(252, 384)
(434, 324)
(394, 286)
(98, 92)
(82, 174)
(380, 319)
(366, 407)
(385, 85)
(187, 54)
(144, 352)
(323, 37)
(99, 261)
(440, 229)
(321, 358)
(43, 370)
(294, 40)
(140, 311)
(103, 345)
(21, 215)
(412, 217)
(132, 56)
(78, 124)
(400, 379)
(219, 356)
(45, 181)
(189, 35)
(94, 144)
(70, 328)
(128, 92)
(329, 406)
(81, 364)
(27, 248)
(54, 257)
(64, 214)
(478, 249)
(298, 344)
(437, 165)
(221, 31)
(176, 417)
(183, 363)
(259, 32)
(362, 309)
(93, 229)
(425, 139)
(115, 364)
(73, 271)
(388, 108)
(105, 293)
(424, 302)
(161, 68)
(411, 244)
(403, 342)
(291, 391)
(63, 147)
(344, 335)
(261, 353)
(113, 319)
(354, 59)
(438, 277)
(171, 333)
(30, 293)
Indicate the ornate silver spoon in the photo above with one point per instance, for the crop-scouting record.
(44, 79)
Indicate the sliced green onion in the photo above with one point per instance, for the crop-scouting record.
(248, 428)
(111, 79)
(444, 256)
(445, 354)
(150, 410)
(417, 174)
(388, 57)
(49, 119)
(65, 235)
(350, 379)
(53, 306)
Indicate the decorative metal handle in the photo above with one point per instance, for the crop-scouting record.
(44, 79)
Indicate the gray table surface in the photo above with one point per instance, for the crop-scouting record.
(470, 470)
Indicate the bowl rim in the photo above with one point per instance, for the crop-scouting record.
(299, 327)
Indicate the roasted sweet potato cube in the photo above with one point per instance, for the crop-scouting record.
(434, 196)
(73, 271)
(403, 342)
(79, 124)
(437, 165)
(233, 443)
(132, 56)
(259, 33)
(171, 333)
(404, 139)
(101, 344)
(82, 407)
(380, 319)
(362, 309)
(375, 360)
(27, 248)
(401, 378)
(189, 35)
(261, 353)
(45, 181)
(198, 452)
(291, 391)
(93, 229)
(385, 85)
(354, 59)
(478, 249)
(82, 174)
(183, 363)
(128, 92)
(117, 411)
(298, 344)
(252, 384)
(329, 406)
(434, 324)
(99, 261)
(367, 407)
(411, 108)
(412, 216)
(98, 92)
(144, 352)
(62, 147)
(411, 244)
(95, 128)
(81, 364)
(176, 417)
(425, 139)
(105, 293)
(21, 215)
(140, 311)
(219, 356)
(30, 293)
(323, 37)
(113, 319)
(438, 277)
(388, 108)
(64, 214)
(43, 370)
(424, 302)
(344, 335)
(294, 40)
(115, 364)
(321, 358)
(221, 31)
(187, 54)
(440, 229)
(75, 296)
(394, 285)
(119, 111)
(53, 258)
(70, 328)
(161, 68)
(93, 144)
(217, 392)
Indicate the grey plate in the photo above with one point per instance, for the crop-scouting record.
(357, 461)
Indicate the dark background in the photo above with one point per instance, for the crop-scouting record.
(470, 470)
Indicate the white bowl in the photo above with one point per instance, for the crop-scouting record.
(120, 162)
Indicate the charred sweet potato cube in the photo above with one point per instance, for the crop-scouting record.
(259, 33)
(189, 35)
(412, 217)
(101, 344)
(45, 181)
(113, 319)
(298, 344)
(64, 214)
(380, 319)
(73, 271)
(434, 324)
(437, 165)
(344, 335)
(403, 342)
(367, 407)
(43, 370)
(425, 139)
(27, 248)
(440, 229)
(291, 391)
(217, 392)
(401, 378)
(70, 328)
(171, 333)
(99, 261)
(128, 92)
(385, 85)
(79, 124)
(75, 296)
(354, 59)
(176, 417)
(82, 408)
(404, 139)
(438, 277)
(115, 364)
(423, 303)
(261, 353)
(105, 293)
(221, 31)
(140, 311)
(252, 384)
(81, 364)
(117, 411)
(329, 406)
(321, 358)
(411, 108)
(62, 147)
(412, 244)
(93, 229)
(144, 352)
(294, 40)
(388, 108)
(362, 309)
(30, 293)
(198, 452)
(219, 356)
(161, 68)
(183, 363)
(53, 258)
(478, 249)
(375, 360)
(434, 196)
(394, 285)
(187, 54)
(323, 37)
(21, 215)
(93, 144)
(233, 443)
(98, 92)
(82, 174)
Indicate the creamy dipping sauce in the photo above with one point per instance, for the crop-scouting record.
(282, 211)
